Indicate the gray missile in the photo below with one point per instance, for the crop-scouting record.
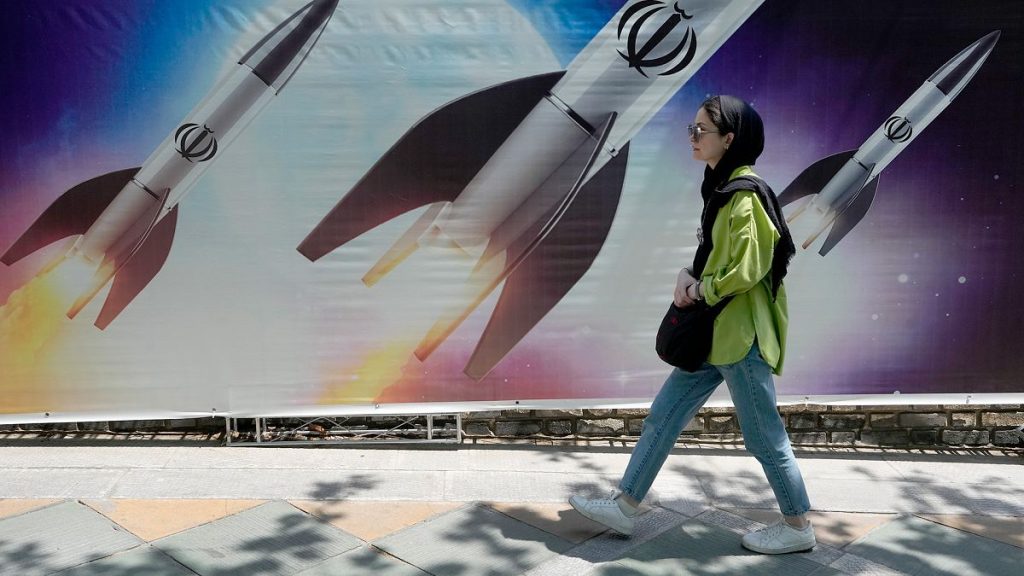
(524, 177)
(125, 220)
(843, 185)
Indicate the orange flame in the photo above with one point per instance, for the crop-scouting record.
(380, 369)
(30, 323)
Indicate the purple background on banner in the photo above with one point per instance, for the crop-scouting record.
(951, 196)
(826, 75)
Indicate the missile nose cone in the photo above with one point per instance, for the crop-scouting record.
(983, 47)
(955, 74)
(277, 57)
(324, 8)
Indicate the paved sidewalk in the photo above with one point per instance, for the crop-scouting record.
(486, 510)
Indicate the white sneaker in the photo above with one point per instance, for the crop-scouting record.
(605, 511)
(780, 538)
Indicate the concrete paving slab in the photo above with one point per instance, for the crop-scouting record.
(726, 519)
(982, 499)
(822, 553)
(155, 519)
(298, 484)
(555, 459)
(67, 456)
(280, 457)
(562, 460)
(685, 461)
(58, 537)
(750, 492)
(684, 494)
(364, 561)
(276, 458)
(560, 566)
(681, 493)
(917, 546)
(698, 548)
(857, 566)
(275, 538)
(58, 483)
(841, 495)
(608, 546)
(444, 457)
(685, 506)
(10, 508)
(546, 487)
(372, 520)
(141, 560)
(833, 528)
(562, 520)
(1002, 528)
(740, 463)
(491, 486)
(473, 540)
(826, 571)
(963, 469)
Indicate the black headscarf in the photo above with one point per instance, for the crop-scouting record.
(744, 122)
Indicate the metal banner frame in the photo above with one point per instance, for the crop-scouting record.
(333, 430)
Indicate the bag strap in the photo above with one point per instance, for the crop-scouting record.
(714, 204)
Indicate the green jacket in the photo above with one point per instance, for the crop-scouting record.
(740, 265)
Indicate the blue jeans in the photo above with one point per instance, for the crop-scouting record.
(753, 394)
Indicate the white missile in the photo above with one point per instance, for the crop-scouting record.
(843, 185)
(126, 219)
(526, 176)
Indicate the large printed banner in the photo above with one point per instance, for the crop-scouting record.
(271, 207)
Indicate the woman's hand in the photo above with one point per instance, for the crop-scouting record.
(683, 283)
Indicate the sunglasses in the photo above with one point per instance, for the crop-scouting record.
(696, 132)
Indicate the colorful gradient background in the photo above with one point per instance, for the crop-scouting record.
(920, 298)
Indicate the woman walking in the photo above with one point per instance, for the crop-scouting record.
(745, 250)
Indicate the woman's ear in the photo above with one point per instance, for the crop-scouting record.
(728, 139)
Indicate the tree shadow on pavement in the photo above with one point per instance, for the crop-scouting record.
(905, 542)
(499, 544)
(343, 490)
(22, 559)
(297, 537)
(749, 489)
(292, 538)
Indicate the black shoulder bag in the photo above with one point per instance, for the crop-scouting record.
(684, 338)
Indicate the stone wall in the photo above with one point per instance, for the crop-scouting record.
(932, 426)
(808, 425)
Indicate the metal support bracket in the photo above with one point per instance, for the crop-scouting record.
(326, 430)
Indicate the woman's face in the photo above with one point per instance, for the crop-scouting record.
(708, 146)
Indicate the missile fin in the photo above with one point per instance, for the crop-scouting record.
(140, 269)
(432, 162)
(492, 270)
(100, 279)
(555, 266)
(814, 178)
(404, 246)
(480, 284)
(121, 252)
(850, 217)
(71, 214)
